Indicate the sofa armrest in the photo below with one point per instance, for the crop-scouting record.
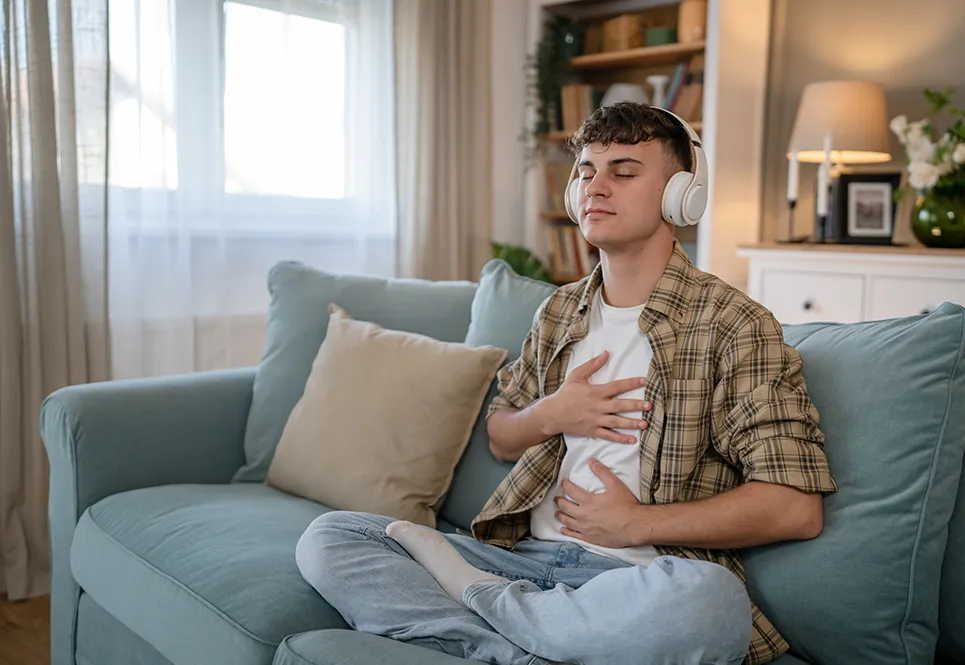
(105, 438)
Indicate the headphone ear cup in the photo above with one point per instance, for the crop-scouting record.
(672, 203)
(569, 196)
(696, 203)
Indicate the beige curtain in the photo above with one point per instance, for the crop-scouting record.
(444, 137)
(52, 317)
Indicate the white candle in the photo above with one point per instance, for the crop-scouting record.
(822, 206)
(792, 178)
(824, 173)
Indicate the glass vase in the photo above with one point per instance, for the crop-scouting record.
(938, 219)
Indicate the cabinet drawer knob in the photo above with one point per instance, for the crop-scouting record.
(808, 305)
(926, 310)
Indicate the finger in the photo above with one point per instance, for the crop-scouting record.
(615, 437)
(575, 491)
(603, 472)
(572, 534)
(619, 422)
(589, 368)
(566, 506)
(628, 406)
(621, 386)
(566, 520)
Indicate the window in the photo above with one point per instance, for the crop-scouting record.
(284, 103)
(254, 114)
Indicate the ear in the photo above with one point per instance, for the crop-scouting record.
(570, 200)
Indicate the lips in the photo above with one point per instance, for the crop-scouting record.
(599, 211)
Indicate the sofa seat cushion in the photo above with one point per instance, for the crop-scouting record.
(349, 647)
(203, 573)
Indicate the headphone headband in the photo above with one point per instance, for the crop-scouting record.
(685, 196)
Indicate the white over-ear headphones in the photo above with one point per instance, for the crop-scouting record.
(685, 196)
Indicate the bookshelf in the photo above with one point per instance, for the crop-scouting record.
(613, 50)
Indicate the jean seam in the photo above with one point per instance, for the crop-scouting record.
(368, 532)
(512, 577)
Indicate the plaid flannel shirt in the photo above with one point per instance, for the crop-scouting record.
(729, 406)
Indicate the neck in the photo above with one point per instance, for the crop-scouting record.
(631, 274)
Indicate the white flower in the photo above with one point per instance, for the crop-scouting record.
(916, 132)
(922, 175)
(899, 126)
(959, 154)
(919, 148)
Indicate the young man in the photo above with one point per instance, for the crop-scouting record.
(660, 424)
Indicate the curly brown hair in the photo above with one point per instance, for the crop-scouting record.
(628, 123)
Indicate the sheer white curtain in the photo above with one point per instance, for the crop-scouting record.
(242, 133)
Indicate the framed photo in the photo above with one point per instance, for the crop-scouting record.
(864, 207)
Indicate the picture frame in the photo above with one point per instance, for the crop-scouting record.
(865, 208)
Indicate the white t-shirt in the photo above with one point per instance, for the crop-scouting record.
(616, 330)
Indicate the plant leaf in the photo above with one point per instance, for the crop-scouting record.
(522, 261)
(938, 99)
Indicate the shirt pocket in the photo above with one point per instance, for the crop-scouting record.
(686, 433)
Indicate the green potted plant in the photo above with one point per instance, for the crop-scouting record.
(936, 171)
(547, 70)
(522, 261)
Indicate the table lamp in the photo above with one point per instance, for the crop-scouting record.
(837, 123)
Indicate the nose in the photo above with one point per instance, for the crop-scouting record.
(597, 187)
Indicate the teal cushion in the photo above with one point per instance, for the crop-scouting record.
(789, 659)
(502, 315)
(951, 609)
(103, 640)
(203, 573)
(298, 321)
(889, 395)
(347, 647)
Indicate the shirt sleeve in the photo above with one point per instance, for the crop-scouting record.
(764, 421)
(519, 380)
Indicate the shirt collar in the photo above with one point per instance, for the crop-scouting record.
(671, 296)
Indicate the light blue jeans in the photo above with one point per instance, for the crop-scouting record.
(562, 603)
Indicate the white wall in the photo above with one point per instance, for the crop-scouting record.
(735, 84)
(508, 116)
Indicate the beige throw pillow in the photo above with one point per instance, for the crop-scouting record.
(383, 421)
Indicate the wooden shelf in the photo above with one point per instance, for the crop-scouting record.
(645, 55)
(553, 214)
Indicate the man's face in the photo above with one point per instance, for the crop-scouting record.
(618, 193)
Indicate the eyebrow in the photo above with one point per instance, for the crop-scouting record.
(613, 162)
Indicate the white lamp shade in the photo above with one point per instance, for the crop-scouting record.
(624, 92)
(852, 112)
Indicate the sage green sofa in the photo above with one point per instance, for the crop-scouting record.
(167, 547)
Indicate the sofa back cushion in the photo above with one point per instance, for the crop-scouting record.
(951, 607)
(297, 322)
(889, 395)
(502, 315)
